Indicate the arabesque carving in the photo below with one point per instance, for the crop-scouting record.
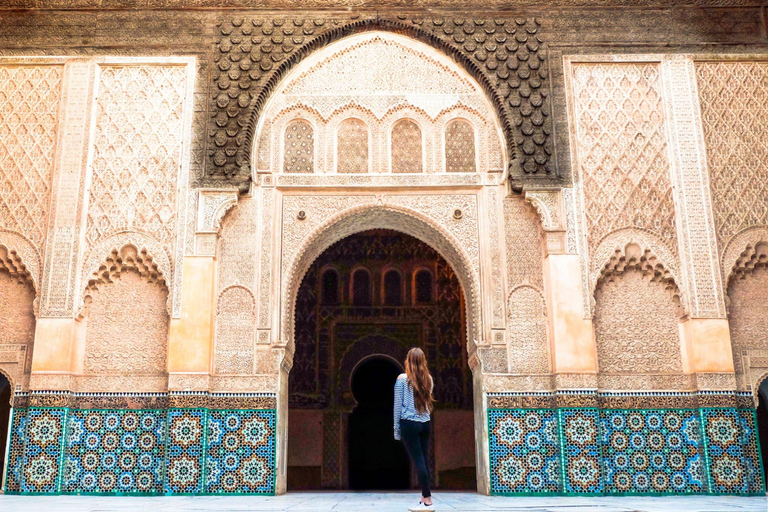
(505, 55)
(29, 112)
(734, 110)
(137, 152)
(636, 258)
(18, 311)
(619, 129)
(528, 344)
(636, 320)
(12, 264)
(127, 321)
(128, 257)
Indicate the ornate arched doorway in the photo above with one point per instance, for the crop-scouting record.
(5, 414)
(376, 293)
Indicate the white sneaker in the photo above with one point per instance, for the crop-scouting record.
(421, 506)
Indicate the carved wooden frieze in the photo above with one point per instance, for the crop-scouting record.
(505, 55)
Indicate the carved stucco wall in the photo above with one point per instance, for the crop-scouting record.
(621, 148)
(622, 169)
(748, 321)
(528, 344)
(355, 92)
(428, 218)
(126, 333)
(17, 324)
(734, 111)
(505, 55)
(29, 111)
(137, 153)
(235, 332)
(636, 329)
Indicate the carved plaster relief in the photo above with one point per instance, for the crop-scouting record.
(355, 123)
(701, 276)
(528, 345)
(29, 113)
(235, 332)
(523, 244)
(748, 294)
(317, 209)
(506, 55)
(137, 145)
(17, 319)
(237, 245)
(126, 329)
(734, 110)
(620, 145)
(138, 169)
(636, 325)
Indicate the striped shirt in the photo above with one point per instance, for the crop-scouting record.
(405, 407)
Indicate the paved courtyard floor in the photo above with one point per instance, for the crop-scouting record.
(378, 502)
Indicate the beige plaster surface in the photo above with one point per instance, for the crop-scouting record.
(571, 335)
(53, 344)
(709, 342)
(191, 338)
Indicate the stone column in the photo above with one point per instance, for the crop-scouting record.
(705, 333)
(60, 284)
(190, 344)
(574, 355)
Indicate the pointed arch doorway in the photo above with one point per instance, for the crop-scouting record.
(363, 303)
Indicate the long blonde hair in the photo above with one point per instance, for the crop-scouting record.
(417, 372)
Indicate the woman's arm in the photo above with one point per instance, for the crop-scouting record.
(399, 389)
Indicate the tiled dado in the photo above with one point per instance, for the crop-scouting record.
(143, 451)
(563, 449)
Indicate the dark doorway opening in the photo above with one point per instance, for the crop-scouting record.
(371, 296)
(5, 412)
(376, 460)
(762, 422)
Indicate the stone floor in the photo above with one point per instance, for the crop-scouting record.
(379, 502)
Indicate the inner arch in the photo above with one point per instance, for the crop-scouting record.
(376, 73)
(394, 218)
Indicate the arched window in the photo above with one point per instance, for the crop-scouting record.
(459, 146)
(393, 288)
(361, 288)
(423, 285)
(330, 284)
(298, 147)
(406, 147)
(352, 147)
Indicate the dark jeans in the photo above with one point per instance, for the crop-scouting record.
(415, 436)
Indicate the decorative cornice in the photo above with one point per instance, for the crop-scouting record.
(364, 4)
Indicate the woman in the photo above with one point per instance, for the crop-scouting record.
(413, 405)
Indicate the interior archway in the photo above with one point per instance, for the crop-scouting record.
(5, 414)
(376, 459)
(334, 344)
(762, 422)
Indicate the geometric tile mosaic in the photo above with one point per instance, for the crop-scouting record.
(580, 448)
(44, 439)
(524, 451)
(532, 451)
(751, 455)
(16, 451)
(624, 451)
(651, 451)
(186, 446)
(115, 451)
(732, 466)
(240, 452)
(141, 452)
